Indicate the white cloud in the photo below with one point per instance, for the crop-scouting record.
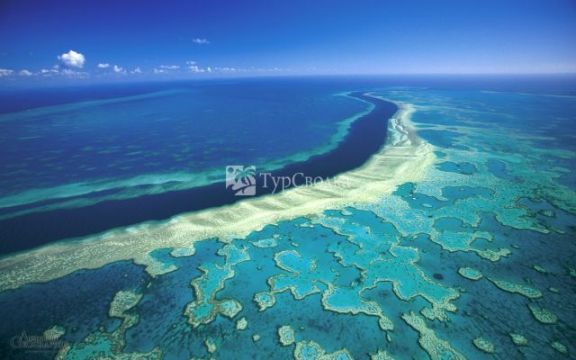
(165, 69)
(25, 73)
(48, 72)
(226, 69)
(137, 70)
(72, 59)
(6, 72)
(190, 62)
(196, 69)
(103, 66)
(75, 74)
(201, 41)
(118, 69)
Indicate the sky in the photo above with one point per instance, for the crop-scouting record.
(52, 40)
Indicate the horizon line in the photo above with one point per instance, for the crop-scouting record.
(64, 82)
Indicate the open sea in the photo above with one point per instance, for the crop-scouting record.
(470, 255)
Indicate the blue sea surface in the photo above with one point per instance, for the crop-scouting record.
(477, 260)
(182, 134)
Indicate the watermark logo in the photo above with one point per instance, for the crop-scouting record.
(37, 343)
(241, 179)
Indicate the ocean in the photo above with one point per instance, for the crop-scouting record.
(446, 229)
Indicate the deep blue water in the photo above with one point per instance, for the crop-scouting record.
(175, 133)
(364, 138)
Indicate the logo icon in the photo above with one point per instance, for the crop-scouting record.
(241, 179)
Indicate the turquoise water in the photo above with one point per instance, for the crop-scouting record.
(476, 260)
